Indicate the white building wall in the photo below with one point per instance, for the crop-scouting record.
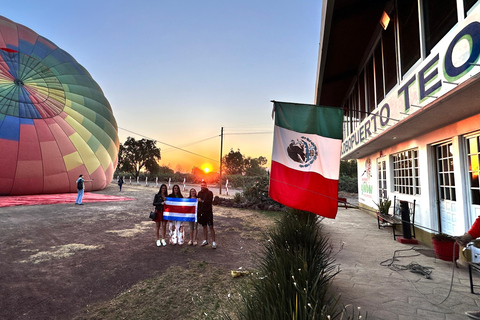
(427, 206)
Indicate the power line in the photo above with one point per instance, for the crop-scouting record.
(240, 133)
(167, 144)
(190, 143)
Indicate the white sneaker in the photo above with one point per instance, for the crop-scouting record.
(214, 245)
(204, 243)
(164, 243)
(159, 244)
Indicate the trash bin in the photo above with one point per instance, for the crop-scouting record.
(406, 224)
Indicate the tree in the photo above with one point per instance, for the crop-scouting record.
(134, 156)
(165, 170)
(234, 162)
(254, 166)
(348, 168)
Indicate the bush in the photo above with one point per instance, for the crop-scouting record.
(257, 191)
(348, 184)
(238, 198)
(296, 270)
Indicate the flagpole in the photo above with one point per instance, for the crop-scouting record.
(221, 152)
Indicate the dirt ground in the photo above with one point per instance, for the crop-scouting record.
(57, 259)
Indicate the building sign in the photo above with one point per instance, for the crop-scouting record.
(453, 61)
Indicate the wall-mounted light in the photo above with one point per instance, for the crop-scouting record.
(384, 20)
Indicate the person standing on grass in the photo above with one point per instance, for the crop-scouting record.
(193, 224)
(205, 213)
(174, 226)
(158, 202)
(80, 189)
(120, 183)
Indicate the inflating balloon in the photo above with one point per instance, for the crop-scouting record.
(55, 122)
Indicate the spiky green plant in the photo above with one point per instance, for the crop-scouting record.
(295, 270)
(383, 206)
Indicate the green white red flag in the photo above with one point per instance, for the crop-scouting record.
(306, 157)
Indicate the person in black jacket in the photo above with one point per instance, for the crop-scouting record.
(158, 202)
(205, 213)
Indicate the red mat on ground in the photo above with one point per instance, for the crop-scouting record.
(38, 199)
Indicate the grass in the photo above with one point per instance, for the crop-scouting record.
(292, 281)
(200, 291)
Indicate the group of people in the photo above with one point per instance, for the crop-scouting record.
(204, 217)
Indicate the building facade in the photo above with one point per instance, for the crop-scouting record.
(407, 74)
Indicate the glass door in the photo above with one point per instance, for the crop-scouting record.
(473, 155)
(446, 189)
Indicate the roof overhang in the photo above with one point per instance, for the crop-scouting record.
(348, 29)
(456, 105)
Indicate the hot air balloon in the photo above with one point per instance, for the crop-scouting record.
(55, 122)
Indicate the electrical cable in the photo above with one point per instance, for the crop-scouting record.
(190, 143)
(350, 204)
(417, 268)
(167, 144)
(241, 133)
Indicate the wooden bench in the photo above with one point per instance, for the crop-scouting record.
(343, 201)
(395, 219)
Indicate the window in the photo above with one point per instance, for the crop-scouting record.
(389, 56)
(361, 91)
(370, 86)
(473, 150)
(355, 107)
(438, 20)
(406, 175)
(379, 72)
(409, 34)
(467, 5)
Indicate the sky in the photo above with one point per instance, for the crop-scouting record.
(178, 71)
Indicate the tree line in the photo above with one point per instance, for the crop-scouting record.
(136, 156)
(140, 157)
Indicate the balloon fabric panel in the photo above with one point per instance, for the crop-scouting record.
(55, 122)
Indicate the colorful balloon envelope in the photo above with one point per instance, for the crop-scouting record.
(55, 122)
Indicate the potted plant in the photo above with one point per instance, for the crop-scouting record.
(445, 247)
(383, 207)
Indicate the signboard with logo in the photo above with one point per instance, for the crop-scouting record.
(453, 61)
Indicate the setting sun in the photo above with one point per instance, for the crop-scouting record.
(206, 167)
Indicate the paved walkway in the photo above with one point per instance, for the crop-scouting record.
(394, 295)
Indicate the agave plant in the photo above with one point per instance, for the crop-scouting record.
(383, 206)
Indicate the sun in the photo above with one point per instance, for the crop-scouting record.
(207, 167)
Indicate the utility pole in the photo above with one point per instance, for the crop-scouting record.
(221, 152)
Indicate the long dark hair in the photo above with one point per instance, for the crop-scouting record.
(166, 189)
(179, 191)
(190, 193)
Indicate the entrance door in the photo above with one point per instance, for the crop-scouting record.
(446, 189)
(382, 179)
(473, 155)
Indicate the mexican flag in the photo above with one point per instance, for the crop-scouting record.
(306, 157)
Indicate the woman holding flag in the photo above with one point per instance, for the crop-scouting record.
(193, 225)
(174, 226)
(158, 202)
